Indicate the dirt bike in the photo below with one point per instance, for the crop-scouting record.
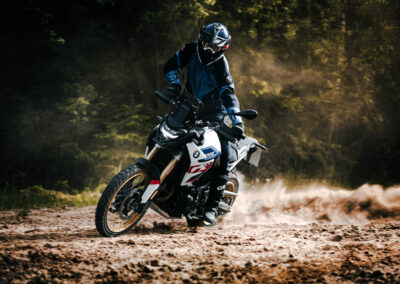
(173, 179)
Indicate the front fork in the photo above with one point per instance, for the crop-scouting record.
(152, 189)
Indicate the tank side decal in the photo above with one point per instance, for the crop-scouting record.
(198, 169)
(211, 154)
(202, 156)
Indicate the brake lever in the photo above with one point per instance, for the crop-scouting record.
(262, 146)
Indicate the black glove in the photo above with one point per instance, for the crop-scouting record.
(175, 89)
(238, 130)
(169, 94)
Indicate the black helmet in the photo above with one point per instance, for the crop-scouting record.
(214, 39)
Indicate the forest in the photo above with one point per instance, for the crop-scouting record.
(78, 80)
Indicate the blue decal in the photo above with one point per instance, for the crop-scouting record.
(211, 153)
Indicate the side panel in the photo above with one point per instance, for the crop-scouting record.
(243, 148)
(202, 157)
(254, 158)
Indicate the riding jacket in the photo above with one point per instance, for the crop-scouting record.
(211, 83)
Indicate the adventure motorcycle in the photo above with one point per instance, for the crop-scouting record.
(174, 177)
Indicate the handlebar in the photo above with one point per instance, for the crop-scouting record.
(165, 95)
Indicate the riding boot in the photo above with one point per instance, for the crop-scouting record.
(215, 196)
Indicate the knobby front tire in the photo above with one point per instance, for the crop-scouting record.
(119, 209)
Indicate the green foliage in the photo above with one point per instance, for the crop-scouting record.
(36, 196)
(78, 103)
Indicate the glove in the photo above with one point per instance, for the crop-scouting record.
(175, 89)
(169, 94)
(238, 130)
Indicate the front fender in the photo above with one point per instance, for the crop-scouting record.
(151, 167)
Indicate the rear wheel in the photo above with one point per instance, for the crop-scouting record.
(119, 208)
(232, 186)
(228, 199)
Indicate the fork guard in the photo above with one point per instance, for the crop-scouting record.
(151, 167)
(154, 184)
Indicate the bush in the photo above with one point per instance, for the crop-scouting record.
(36, 196)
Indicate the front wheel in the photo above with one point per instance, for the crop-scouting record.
(119, 208)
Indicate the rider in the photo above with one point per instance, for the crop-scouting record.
(209, 80)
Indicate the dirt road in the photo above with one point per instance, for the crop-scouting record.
(274, 235)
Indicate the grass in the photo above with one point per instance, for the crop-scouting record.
(38, 197)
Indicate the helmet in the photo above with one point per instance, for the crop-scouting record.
(214, 39)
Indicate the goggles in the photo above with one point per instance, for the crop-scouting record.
(211, 47)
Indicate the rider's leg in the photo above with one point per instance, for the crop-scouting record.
(218, 184)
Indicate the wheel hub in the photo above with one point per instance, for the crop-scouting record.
(130, 205)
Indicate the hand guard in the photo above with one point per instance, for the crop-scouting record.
(238, 130)
(175, 89)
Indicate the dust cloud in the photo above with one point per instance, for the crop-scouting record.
(275, 202)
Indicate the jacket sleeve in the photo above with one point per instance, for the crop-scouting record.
(179, 60)
(226, 89)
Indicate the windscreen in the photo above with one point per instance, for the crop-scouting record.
(178, 115)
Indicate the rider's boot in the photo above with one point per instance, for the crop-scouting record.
(215, 196)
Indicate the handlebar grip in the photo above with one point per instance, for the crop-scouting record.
(261, 146)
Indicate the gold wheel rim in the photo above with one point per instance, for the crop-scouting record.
(123, 224)
(230, 186)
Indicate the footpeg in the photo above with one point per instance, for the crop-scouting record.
(224, 206)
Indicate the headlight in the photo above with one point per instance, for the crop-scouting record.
(169, 133)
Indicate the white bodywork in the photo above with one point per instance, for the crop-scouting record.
(202, 156)
(151, 188)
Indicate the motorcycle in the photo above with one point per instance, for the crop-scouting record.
(173, 179)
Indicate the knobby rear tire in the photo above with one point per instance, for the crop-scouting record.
(109, 194)
(233, 186)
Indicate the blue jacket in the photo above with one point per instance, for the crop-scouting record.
(212, 83)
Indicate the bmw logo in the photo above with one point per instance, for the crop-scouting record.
(196, 154)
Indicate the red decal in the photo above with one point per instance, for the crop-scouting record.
(197, 168)
(208, 166)
(194, 169)
(155, 182)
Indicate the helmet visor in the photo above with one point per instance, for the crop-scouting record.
(213, 48)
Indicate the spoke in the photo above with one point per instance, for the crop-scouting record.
(139, 184)
(118, 220)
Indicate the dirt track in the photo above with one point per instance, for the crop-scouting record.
(62, 245)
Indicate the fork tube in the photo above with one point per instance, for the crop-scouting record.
(168, 168)
(153, 152)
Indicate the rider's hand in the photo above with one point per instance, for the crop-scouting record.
(175, 89)
(238, 130)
